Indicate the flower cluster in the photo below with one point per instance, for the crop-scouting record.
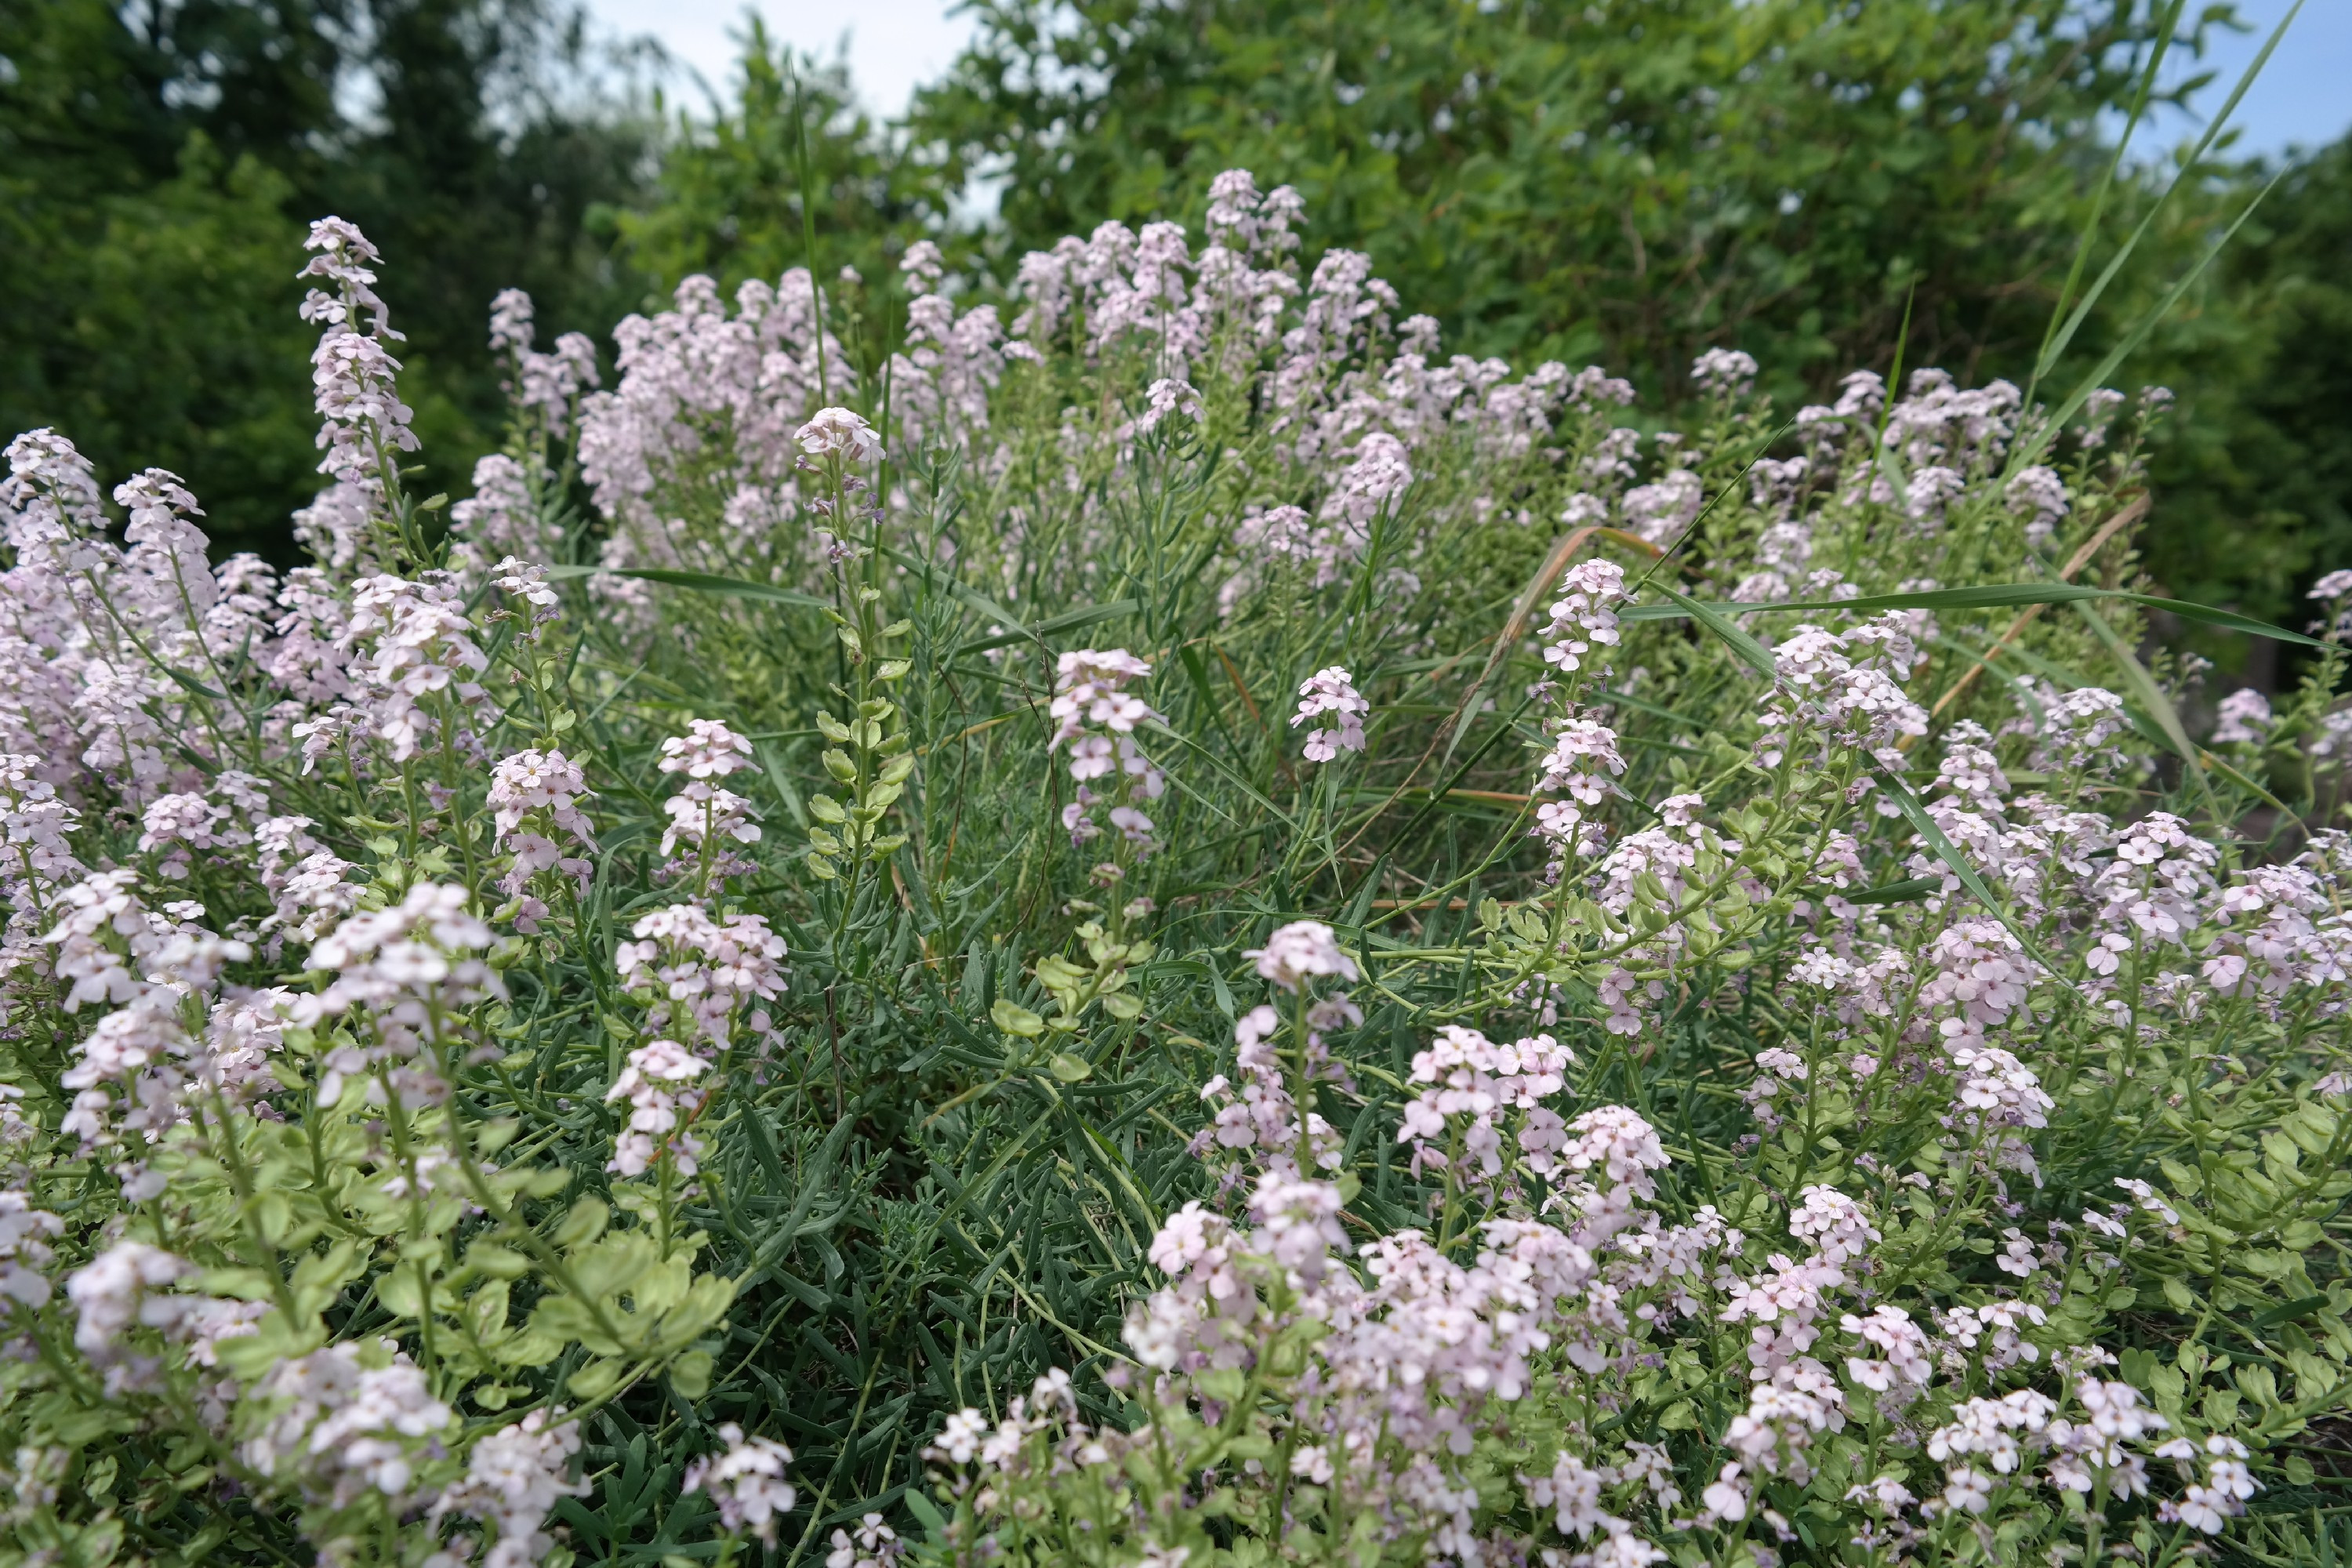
(366, 426)
(699, 974)
(534, 797)
(344, 1419)
(1863, 1101)
(747, 1481)
(1331, 691)
(514, 1477)
(1473, 1081)
(1097, 717)
(405, 976)
(657, 1084)
(707, 818)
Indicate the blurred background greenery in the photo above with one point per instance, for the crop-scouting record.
(1626, 182)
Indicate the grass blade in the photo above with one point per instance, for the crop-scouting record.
(1225, 773)
(698, 581)
(2054, 342)
(972, 598)
(2058, 345)
(816, 1177)
(1989, 596)
(1950, 854)
(2144, 722)
(2151, 697)
(2027, 451)
(2230, 619)
(1909, 890)
(1067, 621)
(2084, 553)
(1514, 625)
(1751, 653)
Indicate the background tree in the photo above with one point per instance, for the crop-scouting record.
(2257, 480)
(729, 199)
(156, 166)
(494, 157)
(1629, 182)
(149, 159)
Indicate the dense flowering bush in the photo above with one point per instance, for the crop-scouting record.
(1177, 931)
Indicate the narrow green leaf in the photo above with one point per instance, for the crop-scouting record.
(2222, 765)
(2028, 450)
(816, 1177)
(1950, 854)
(2151, 697)
(927, 1514)
(1608, 697)
(1882, 456)
(771, 767)
(969, 598)
(1188, 656)
(190, 683)
(2287, 1312)
(1230, 776)
(2142, 722)
(1908, 890)
(2054, 342)
(2229, 618)
(1751, 653)
(1067, 621)
(1988, 596)
(763, 1148)
(699, 582)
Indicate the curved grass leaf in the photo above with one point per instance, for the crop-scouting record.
(1751, 653)
(1949, 853)
(816, 1177)
(2229, 619)
(2062, 327)
(1988, 597)
(2151, 698)
(2027, 451)
(969, 598)
(698, 581)
(1067, 621)
(1514, 625)
(1225, 773)
(187, 682)
(2143, 722)
(2055, 344)
(1909, 890)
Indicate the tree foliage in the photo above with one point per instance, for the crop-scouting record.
(2258, 481)
(728, 200)
(1624, 183)
(156, 164)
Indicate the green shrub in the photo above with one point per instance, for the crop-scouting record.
(914, 962)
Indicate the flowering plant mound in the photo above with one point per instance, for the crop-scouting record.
(1177, 931)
